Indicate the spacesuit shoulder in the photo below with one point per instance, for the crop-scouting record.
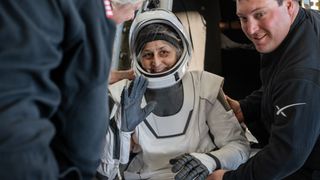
(209, 84)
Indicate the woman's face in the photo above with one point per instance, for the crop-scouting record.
(158, 56)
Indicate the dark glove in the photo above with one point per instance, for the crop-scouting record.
(131, 112)
(188, 168)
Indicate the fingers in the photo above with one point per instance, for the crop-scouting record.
(189, 171)
(149, 108)
(188, 167)
(230, 101)
(124, 96)
(200, 172)
(142, 86)
(133, 86)
(134, 92)
(184, 172)
(137, 87)
(180, 163)
(173, 161)
(233, 103)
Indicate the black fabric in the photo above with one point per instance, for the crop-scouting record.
(188, 167)
(169, 100)
(101, 177)
(289, 105)
(241, 74)
(301, 174)
(54, 64)
(116, 140)
(218, 163)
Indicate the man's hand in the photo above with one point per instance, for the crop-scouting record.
(235, 106)
(216, 175)
(188, 167)
(131, 112)
(118, 75)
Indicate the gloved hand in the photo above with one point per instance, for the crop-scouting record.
(131, 112)
(188, 168)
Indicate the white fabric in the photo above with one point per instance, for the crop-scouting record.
(125, 147)
(108, 166)
(207, 115)
(206, 160)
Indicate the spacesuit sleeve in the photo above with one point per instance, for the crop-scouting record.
(117, 146)
(232, 147)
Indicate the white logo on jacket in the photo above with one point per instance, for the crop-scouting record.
(280, 110)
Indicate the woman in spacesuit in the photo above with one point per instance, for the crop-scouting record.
(177, 123)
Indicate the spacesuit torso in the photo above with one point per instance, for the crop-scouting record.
(159, 139)
(191, 119)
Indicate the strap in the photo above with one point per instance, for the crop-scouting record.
(218, 164)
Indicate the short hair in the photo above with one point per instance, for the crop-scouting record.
(281, 1)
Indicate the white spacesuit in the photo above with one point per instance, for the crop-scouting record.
(191, 122)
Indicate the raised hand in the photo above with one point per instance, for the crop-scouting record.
(131, 112)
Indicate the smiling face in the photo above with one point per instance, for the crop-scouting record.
(265, 22)
(158, 56)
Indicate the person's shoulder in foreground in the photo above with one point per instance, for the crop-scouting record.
(54, 65)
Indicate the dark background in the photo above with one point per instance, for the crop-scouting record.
(239, 67)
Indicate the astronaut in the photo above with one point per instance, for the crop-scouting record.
(175, 122)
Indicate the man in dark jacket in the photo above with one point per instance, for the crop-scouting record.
(54, 63)
(284, 113)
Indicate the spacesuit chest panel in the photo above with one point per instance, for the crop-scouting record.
(177, 124)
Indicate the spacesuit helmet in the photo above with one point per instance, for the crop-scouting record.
(160, 24)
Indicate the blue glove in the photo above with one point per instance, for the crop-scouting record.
(188, 167)
(131, 112)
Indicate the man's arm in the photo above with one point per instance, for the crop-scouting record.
(251, 105)
(293, 134)
(30, 35)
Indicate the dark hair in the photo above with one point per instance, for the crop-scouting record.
(281, 1)
(158, 31)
